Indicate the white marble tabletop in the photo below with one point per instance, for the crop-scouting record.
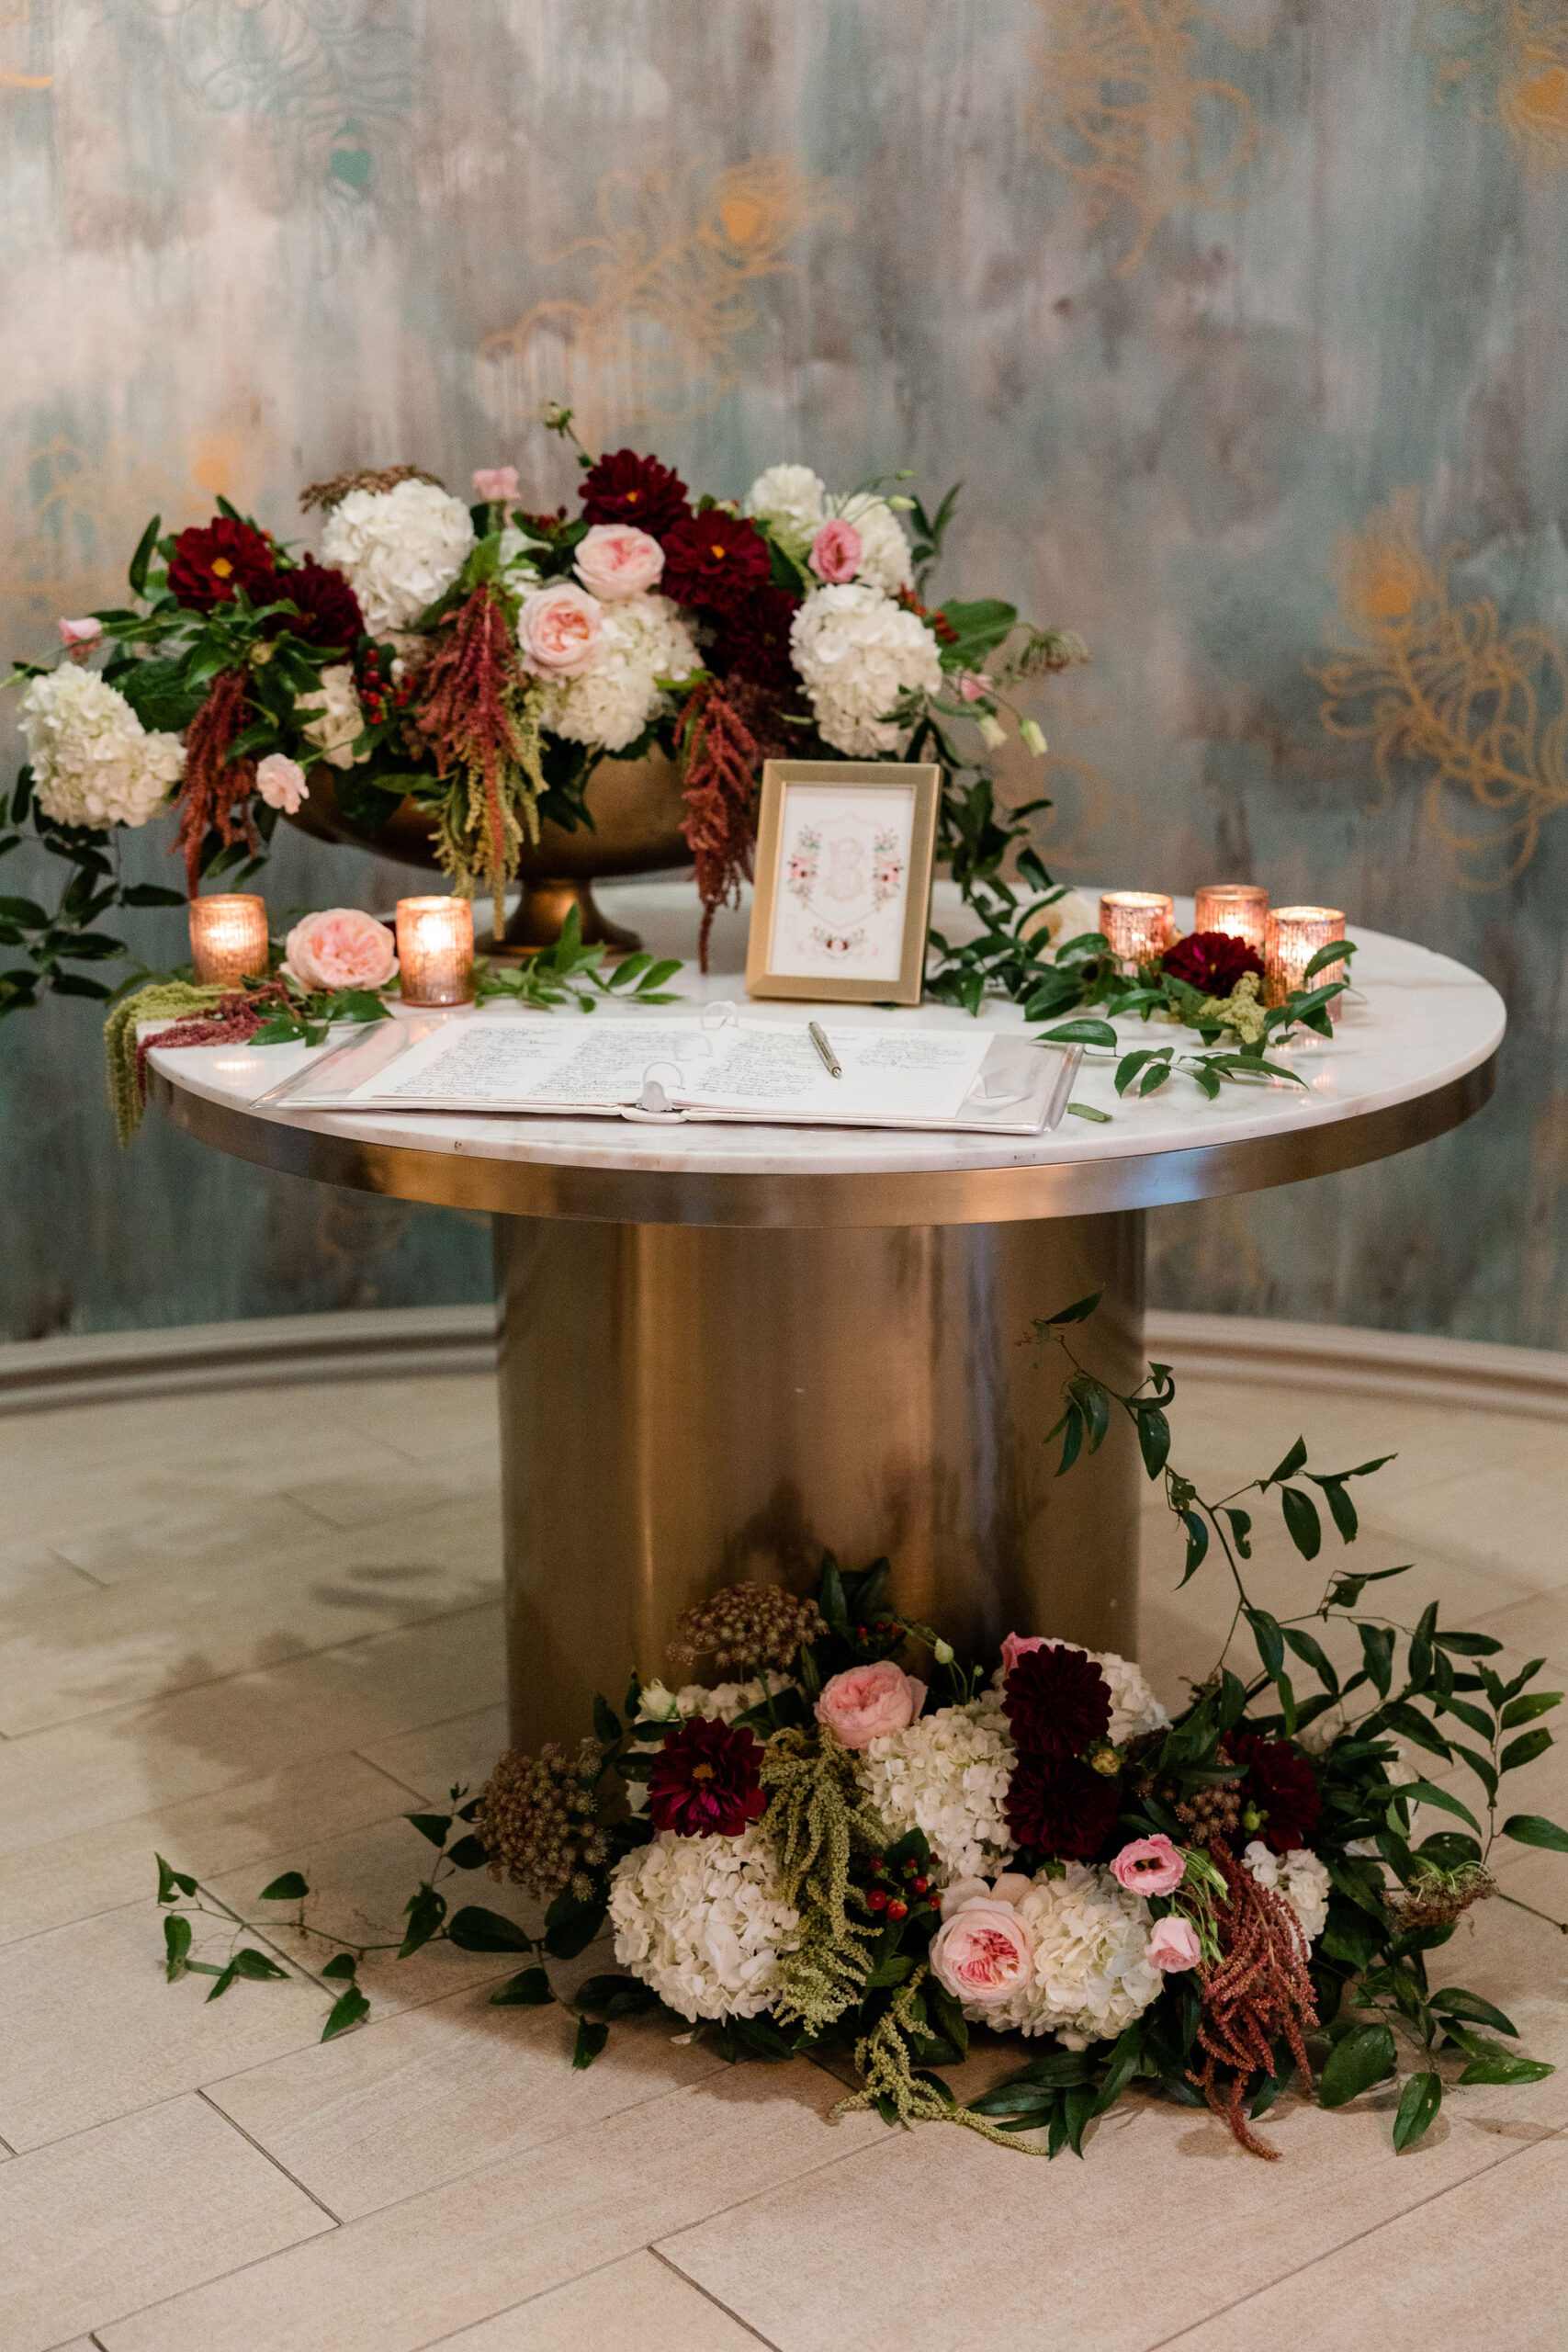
(1419, 1023)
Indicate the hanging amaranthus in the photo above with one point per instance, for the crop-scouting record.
(216, 790)
(1257, 1993)
(721, 758)
(481, 717)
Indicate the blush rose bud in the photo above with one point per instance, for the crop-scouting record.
(1174, 1946)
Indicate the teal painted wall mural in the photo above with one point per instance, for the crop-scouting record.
(1243, 325)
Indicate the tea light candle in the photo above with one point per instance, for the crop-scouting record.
(1238, 909)
(1137, 923)
(1295, 934)
(436, 950)
(228, 936)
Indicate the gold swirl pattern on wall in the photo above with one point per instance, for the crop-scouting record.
(1511, 56)
(673, 279)
(1437, 685)
(1120, 103)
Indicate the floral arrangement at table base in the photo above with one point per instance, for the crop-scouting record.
(865, 1841)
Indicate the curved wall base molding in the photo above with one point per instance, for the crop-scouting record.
(383, 1343)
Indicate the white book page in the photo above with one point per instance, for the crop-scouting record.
(887, 1073)
(484, 1064)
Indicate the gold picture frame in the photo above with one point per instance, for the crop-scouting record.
(808, 949)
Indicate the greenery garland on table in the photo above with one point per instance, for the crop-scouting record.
(1207, 1907)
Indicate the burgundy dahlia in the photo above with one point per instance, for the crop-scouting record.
(1212, 960)
(752, 642)
(705, 1780)
(1062, 1807)
(329, 609)
(715, 560)
(1278, 1788)
(210, 563)
(624, 488)
(1057, 1701)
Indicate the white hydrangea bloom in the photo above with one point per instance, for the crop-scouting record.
(1133, 1707)
(515, 564)
(701, 1921)
(93, 761)
(1091, 1976)
(857, 653)
(1300, 1877)
(644, 638)
(884, 560)
(793, 499)
(338, 718)
(947, 1775)
(398, 549)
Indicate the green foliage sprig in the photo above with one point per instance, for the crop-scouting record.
(570, 973)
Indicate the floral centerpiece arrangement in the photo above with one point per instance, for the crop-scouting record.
(482, 659)
(863, 1839)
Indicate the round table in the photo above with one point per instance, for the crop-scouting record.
(726, 1349)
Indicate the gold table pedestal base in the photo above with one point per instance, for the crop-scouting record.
(685, 1407)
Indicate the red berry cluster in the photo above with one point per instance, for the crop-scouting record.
(940, 628)
(893, 1896)
(373, 692)
(880, 1638)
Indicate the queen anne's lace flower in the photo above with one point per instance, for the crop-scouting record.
(948, 1776)
(1299, 1876)
(332, 718)
(1091, 1975)
(857, 653)
(398, 549)
(884, 550)
(94, 763)
(701, 1921)
(643, 639)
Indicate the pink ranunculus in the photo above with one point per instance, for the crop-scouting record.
(835, 551)
(495, 482)
(982, 1954)
(616, 559)
(974, 685)
(1017, 1646)
(74, 633)
(1150, 1866)
(560, 629)
(281, 782)
(1173, 1945)
(868, 1701)
(340, 948)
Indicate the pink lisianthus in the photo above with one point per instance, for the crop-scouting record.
(340, 948)
(982, 1953)
(616, 559)
(495, 482)
(1150, 1866)
(559, 629)
(835, 552)
(1173, 1946)
(86, 632)
(868, 1702)
(281, 782)
(973, 685)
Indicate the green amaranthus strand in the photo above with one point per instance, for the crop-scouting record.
(814, 1819)
(164, 1000)
(886, 2062)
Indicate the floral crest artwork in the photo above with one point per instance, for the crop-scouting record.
(862, 1846)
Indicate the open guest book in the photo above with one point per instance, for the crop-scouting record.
(684, 1069)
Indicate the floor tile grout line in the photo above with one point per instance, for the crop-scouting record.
(1359, 2237)
(717, 2301)
(407, 1786)
(243, 1673)
(303, 2187)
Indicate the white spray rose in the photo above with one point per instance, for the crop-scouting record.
(857, 653)
(702, 1920)
(1300, 1877)
(398, 549)
(93, 761)
(791, 498)
(338, 718)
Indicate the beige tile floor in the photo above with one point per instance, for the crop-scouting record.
(251, 1630)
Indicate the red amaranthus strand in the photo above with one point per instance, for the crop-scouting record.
(469, 693)
(721, 757)
(216, 790)
(1256, 1992)
(234, 1019)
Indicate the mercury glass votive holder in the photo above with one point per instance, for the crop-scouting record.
(1139, 924)
(436, 950)
(1295, 934)
(228, 936)
(1238, 909)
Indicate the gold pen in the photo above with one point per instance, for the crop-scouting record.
(819, 1037)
